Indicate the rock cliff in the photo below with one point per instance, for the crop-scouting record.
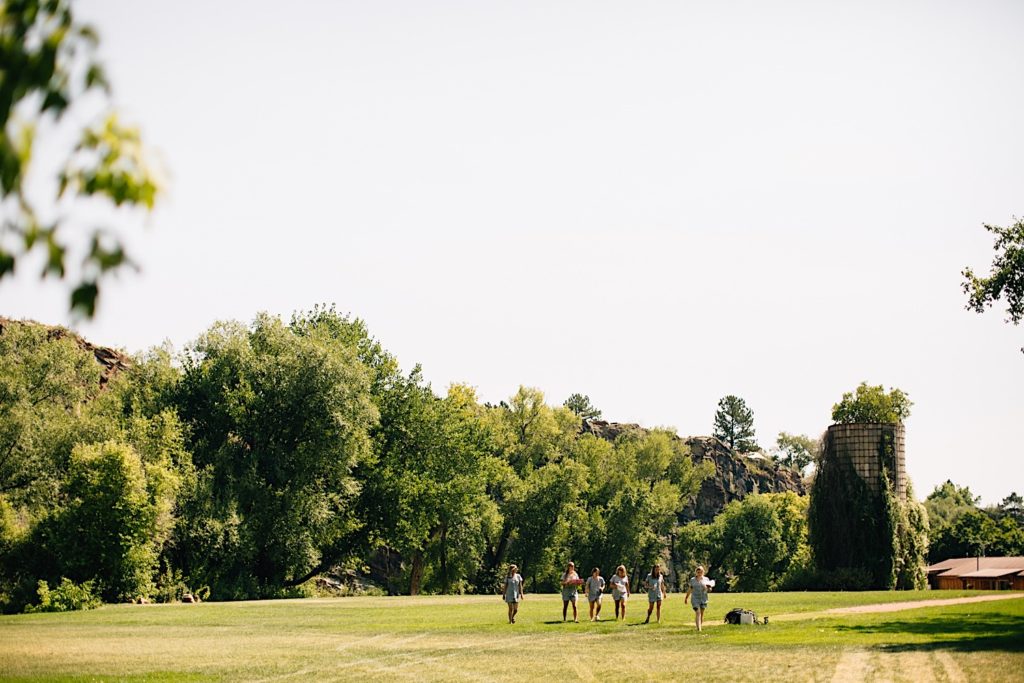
(736, 475)
(111, 360)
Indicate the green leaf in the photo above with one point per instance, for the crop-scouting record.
(83, 299)
(6, 263)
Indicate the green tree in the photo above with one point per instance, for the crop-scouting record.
(755, 542)
(1006, 279)
(277, 421)
(106, 534)
(426, 492)
(734, 424)
(796, 450)
(1012, 506)
(49, 64)
(971, 534)
(45, 380)
(581, 405)
(948, 502)
(872, 404)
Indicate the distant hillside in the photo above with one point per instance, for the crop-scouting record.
(111, 360)
(736, 475)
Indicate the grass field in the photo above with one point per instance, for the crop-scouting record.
(467, 639)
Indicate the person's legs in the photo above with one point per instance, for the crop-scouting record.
(510, 605)
(565, 606)
(623, 610)
(598, 615)
(575, 614)
(650, 608)
(659, 611)
(515, 611)
(591, 610)
(617, 604)
(700, 619)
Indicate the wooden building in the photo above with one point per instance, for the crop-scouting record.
(978, 573)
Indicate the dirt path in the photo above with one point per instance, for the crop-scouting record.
(894, 606)
(915, 604)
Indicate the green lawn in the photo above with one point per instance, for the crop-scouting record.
(466, 638)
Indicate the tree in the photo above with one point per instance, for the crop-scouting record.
(107, 532)
(1006, 279)
(872, 404)
(1013, 507)
(277, 422)
(796, 450)
(49, 64)
(45, 380)
(754, 543)
(734, 424)
(972, 534)
(948, 502)
(581, 405)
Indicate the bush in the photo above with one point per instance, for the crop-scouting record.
(843, 579)
(67, 597)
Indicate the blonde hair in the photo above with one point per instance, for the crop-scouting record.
(700, 567)
(620, 568)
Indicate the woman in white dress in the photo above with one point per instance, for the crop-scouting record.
(620, 590)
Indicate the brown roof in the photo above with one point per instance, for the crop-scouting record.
(988, 574)
(961, 566)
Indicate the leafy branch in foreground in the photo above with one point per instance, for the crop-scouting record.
(49, 65)
(1006, 280)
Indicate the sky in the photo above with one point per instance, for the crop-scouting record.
(652, 203)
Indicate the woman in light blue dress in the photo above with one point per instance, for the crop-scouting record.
(655, 585)
(513, 592)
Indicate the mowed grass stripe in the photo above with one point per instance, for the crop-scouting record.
(465, 638)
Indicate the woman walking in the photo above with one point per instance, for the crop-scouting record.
(655, 584)
(570, 584)
(513, 592)
(699, 587)
(595, 589)
(620, 590)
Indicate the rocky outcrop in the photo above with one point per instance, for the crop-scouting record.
(735, 476)
(111, 360)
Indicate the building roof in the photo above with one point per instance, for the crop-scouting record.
(962, 566)
(988, 574)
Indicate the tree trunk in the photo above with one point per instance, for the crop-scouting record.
(416, 573)
(445, 580)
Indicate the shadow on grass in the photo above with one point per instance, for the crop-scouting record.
(965, 633)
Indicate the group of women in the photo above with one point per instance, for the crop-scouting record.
(698, 588)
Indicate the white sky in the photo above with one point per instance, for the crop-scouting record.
(653, 203)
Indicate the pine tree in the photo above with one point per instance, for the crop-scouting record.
(581, 405)
(734, 424)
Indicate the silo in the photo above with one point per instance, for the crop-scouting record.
(871, 448)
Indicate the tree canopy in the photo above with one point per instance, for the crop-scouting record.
(1006, 277)
(796, 450)
(872, 404)
(266, 453)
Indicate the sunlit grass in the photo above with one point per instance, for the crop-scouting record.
(466, 638)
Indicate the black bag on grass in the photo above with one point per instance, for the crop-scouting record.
(740, 616)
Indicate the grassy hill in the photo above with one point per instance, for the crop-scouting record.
(465, 638)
